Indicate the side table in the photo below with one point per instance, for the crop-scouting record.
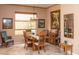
(66, 47)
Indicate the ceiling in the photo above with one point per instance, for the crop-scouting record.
(39, 5)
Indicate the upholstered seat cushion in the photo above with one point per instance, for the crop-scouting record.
(9, 40)
(36, 43)
(29, 42)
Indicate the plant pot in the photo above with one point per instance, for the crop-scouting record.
(65, 42)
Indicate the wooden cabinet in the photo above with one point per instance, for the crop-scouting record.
(51, 38)
(0, 40)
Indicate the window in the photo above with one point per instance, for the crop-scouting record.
(24, 21)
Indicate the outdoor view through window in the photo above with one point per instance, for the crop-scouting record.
(24, 21)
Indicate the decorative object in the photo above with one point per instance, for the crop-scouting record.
(55, 19)
(65, 42)
(7, 23)
(41, 23)
(69, 25)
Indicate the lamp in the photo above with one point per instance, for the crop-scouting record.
(32, 20)
(33, 16)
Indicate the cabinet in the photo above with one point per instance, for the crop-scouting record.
(0, 40)
(51, 38)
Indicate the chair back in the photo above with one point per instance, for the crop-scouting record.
(25, 36)
(28, 31)
(4, 36)
(42, 38)
(42, 33)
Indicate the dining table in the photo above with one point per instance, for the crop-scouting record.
(35, 38)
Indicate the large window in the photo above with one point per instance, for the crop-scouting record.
(24, 21)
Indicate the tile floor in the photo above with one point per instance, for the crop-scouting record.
(18, 49)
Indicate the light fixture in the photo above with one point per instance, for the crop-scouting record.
(34, 13)
(33, 16)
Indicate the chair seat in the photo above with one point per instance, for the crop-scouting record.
(29, 42)
(9, 40)
(38, 44)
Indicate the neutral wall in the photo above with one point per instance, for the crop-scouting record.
(8, 11)
(68, 9)
(49, 10)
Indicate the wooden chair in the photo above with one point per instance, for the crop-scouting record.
(26, 39)
(41, 41)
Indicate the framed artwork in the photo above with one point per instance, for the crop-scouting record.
(55, 19)
(69, 25)
(7, 23)
(41, 23)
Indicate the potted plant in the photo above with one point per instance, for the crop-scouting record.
(65, 41)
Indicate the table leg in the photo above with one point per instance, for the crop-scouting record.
(71, 50)
(65, 50)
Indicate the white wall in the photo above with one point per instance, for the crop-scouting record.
(8, 11)
(68, 9)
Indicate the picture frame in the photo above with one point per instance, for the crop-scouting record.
(41, 23)
(55, 19)
(69, 25)
(7, 23)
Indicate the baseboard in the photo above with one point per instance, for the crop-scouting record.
(74, 53)
(69, 52)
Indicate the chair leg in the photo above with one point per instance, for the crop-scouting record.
(33, 47)
(6, 45)
(26, 47)
(38, 50)
(44, 49)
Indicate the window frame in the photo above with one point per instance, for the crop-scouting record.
(24, 21)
